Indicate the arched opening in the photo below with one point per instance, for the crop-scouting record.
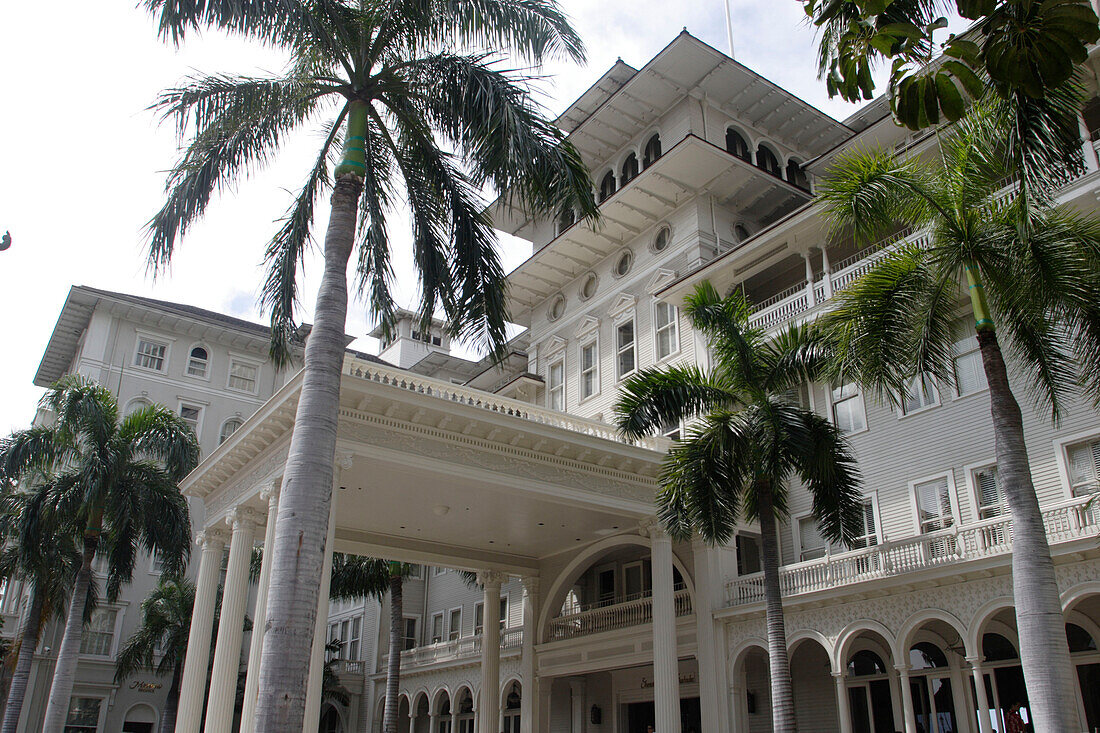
(511, 702)
(630, 169)
(767, 161)
(197, 362)
(443, 712)
(1083, 635)
(330, 720)
(736, 145)
(465, 711)
(403, 715)
(607, 186)
(872, 685)
(934, 652)
(750, 681)
(796, 176)
(422, 721)
(141, 718)
(229, 427)
(652, 151)
(813, 686)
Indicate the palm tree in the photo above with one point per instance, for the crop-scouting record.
(749, 439)
(46, 558)
(165, 625)
(117, 480)
(418, 119)
(1033, 279)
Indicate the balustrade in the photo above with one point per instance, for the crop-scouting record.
(465, 647)
(615, 616)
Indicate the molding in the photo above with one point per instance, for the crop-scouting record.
(623, 303)
(588, 324)
(661, 279)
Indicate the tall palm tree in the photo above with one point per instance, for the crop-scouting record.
(1033, 279)
(165, 625)
(415, 93)
(45, 557)
(117, 480)
(748, 440)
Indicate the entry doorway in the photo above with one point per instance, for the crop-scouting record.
(871, 707)
(640, 716)
(137, 728)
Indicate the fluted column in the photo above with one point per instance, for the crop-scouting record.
(227, 651)
(577, 703)
(666, 668)
(489, 707)
(910, 719)
(981, 699)
(259, 615)
(810, 296)
(193, 685)
(528, 701)
(713, 683)
(317, 659)
(842, 708)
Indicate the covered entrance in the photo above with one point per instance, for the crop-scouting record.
(640, 717)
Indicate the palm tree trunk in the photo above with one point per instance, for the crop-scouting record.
(64, 674)
(298, 551)
(171, 705)
(1044, 652)
(18, 689)
(783, 714)
(393, 664)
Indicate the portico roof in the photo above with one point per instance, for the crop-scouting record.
(439, 474)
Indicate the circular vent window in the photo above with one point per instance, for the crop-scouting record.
(557, 307)
(622, 266)
(660, 242)
(588, 287)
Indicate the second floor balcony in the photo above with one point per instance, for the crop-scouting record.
(600, 617)
(463, 648)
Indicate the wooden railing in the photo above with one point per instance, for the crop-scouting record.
(1064, 522)
(614, 616)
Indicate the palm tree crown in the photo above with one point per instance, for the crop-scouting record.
(160, 642)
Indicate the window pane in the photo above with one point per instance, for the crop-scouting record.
(1084, 467)
(99, 633)
(196, 363)
(969, 375)
(83, 714)
(921, 393)
(150, 355)
(934, 505)
(242, 376)
(625, 342)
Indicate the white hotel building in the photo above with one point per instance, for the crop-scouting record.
(704, 171)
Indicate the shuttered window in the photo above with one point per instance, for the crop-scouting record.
(920, 394)
(869, 538)
(556, 385)
(969, 373)
(624, 349)
(810, 539)
(665, 321)
(933, 505)
(1084, 467)
(991, 498)
(589, 366)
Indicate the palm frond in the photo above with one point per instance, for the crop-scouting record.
(533, 29)
(355, 577)
(828, 468)
(156, 432)
(656, 397)
(271, 21)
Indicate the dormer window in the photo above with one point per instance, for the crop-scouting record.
(630, 168)
(428, 338)
(607, 186)
(652, 151)
(736, 145)
(197, 362)
(767, 162)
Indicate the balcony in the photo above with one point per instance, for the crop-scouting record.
(1066, 522)
(600, 618)
(455, 650)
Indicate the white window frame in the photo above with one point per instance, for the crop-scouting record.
(442, 629)
(153, 338)
(831, 403)
(100, 721)
(205, 377)
(646, 578)
(120, 611)
(952, 498)
(936, 399)
(416, 632)
(955, 356)
(974, 491)
(436, 570)
(872, 498)
(153, 564)
(558, 361)
(236, 358)
(202, 414)
(619, 351)
(447, 620)
(673, 324)
(221, 429)
(417, 574)
(1061, 452)
(595, 370)
(796, 531)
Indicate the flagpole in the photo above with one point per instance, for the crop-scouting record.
(729, 25)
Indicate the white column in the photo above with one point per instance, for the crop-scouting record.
(842, 711)
(546, 689)
(528, 708)
(711, 655)
(981, 699)
(577, 702)
(193, 685)
(489, 706)
(1089, 151)
(811, 298)
(827, 277)
(312, 719)
(666, 668)
(259, 614)
(909, 724)
(227, 651)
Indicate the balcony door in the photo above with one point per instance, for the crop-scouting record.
(636, 580)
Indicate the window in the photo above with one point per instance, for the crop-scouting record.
(736, 145)
(665, 322)
(969, 372)
(848, 409)
(555, 382)
(588, 288)
(566, 219)
(415, 572)
(920, 394)
(748, 554)
(229, 427)
(557, 308)
(454, 625)
(740, 232)
(99, 633)
(869, 538)
(192, 415)
(660, 242)
(624, 348)
(479, 615)
(590, 378)
(796, 176)
(437, 628)
(607, 186)
(156, 563)
(652, 151)
(767, 162)
(672, 430)
(408, 635)
(428, 338)
(990, 495)
(350, 637)
(1083, 460)
(637, 578)
(810, 541)
(150, 355)
(197, 362)
(630, 169)
(83, 715)
(242, 376)
(622, 266)
(933, 505)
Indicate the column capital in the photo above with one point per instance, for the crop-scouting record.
(269, 492)
(243, 517)
(974, 661)
(902, 669)
(344, 461)
(530, 583)
(211, 536)
(653, 529)
(489, 578)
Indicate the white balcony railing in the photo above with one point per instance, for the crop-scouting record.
(1073, 520)
(466, 647)
(350, 666)
(615, 616)
(447, 391)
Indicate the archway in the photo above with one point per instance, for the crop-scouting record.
(403, 714)
(813, 685)
(331, 722)
(750, 687)
(140, 718)
(871, 682)
(934, 649)
(511, 699)
(463, 713)
(442, 708)
(421, 721)
(1083, 634)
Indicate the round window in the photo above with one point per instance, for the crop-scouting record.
(622, 266)
(588, 287)
(557, 307)
(660, 242)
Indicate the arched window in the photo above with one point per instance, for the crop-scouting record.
(767, 162)
(736, 145)
(566, 219)
(796, 176)
(197, 362)
(228, 428)
(630, 169)
(925, 655)
(1079, 639)
(136, 404)
(652, 151)
(607, 186)
(996, 648)
(865, 662)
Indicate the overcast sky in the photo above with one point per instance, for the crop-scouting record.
(82, 162)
